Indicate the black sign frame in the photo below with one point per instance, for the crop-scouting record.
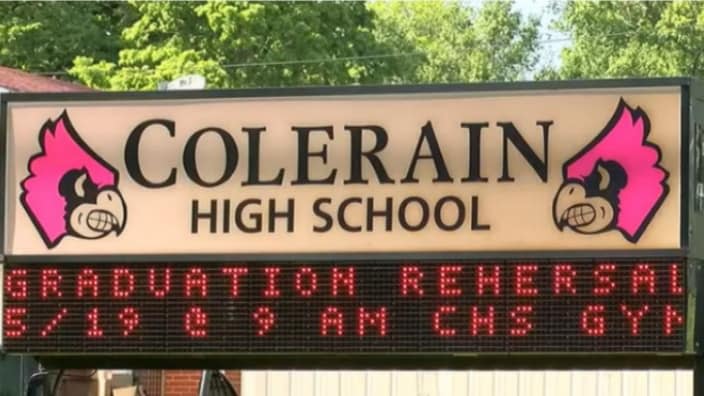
(684, 84)
(692, 230)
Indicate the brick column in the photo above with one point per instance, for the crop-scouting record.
(185, 382)
(181, 382)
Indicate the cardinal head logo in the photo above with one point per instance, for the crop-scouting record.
(615, 182)
(70, 190)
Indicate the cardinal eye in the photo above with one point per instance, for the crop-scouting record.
(79, 186)
(604, 177)
(82, 187)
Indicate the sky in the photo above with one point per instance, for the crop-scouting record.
(552, 41)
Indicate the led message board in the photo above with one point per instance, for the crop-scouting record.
(528, 306)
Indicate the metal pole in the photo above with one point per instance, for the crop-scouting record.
(698, 376)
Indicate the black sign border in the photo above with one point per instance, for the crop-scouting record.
(690, 359)
(682, 83)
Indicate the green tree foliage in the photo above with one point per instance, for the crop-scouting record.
(632, 39)
(136, 45)
(458, 43)
(260, 44)
(47, 36)
(227, 42)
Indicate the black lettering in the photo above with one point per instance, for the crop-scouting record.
(341, 215)
(286, 214)
(132, 154)
(226, 215)
(253, 161)
(189, 157)
(461, 213)
(475, 130)
(512, 134)
(257, 217)
(428, 135)
(475, 216)
(386, 213)
(356, 154)
(196, 215)
(425, 213)
(317, 209)
(304, 154)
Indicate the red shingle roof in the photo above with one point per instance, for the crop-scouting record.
(19, 81)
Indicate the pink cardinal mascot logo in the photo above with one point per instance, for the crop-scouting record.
(70, 190)
(616, 182)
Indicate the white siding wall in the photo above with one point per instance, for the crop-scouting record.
(468, 383)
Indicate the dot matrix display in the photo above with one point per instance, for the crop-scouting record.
(376, 306)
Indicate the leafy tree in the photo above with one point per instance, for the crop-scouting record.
(47, 36)
(242, 45)
(136, 45)
(458, 43)
(632, 39)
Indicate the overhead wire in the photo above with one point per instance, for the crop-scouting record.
(284, 62)
(340, 59)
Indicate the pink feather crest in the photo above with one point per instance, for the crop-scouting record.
(62, 150)
(623, 141)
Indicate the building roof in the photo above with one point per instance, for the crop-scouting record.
(19, 81)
